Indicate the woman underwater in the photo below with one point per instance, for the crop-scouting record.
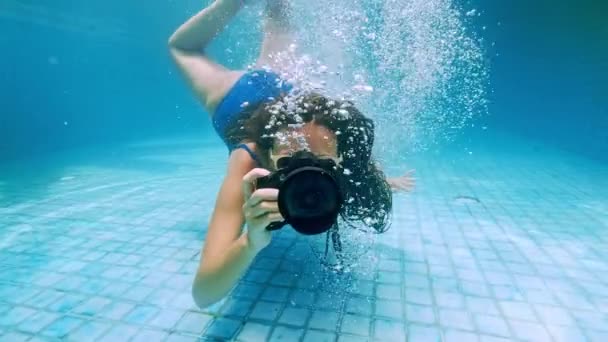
(252, 111)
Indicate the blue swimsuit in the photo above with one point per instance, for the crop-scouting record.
(253, 89)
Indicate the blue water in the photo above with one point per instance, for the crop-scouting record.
(109, 170)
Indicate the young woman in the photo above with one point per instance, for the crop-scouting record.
(253, 113)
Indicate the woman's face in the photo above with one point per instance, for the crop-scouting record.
(318, 139)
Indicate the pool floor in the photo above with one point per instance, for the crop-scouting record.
(495, 244)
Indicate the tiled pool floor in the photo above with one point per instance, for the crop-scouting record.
(501, 244)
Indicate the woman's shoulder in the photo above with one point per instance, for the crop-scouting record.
(248, 153)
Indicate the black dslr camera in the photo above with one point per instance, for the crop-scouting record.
(310, 197)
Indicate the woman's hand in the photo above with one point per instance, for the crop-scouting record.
(403, 183)
(260, 209)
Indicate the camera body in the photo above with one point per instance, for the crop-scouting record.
(310, 197)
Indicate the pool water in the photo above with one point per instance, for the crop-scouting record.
(109, 171)
(494, 244)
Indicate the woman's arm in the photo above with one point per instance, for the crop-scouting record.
(226, 252)
(209, 80)
(229, 251)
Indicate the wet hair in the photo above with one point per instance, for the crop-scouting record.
(367, 194)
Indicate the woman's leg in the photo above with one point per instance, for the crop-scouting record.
(209, 80)
(277, 35)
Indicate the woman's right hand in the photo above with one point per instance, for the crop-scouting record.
(261, 208)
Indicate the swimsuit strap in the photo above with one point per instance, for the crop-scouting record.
(251, 153)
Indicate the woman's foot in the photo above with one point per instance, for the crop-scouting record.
(278, 9)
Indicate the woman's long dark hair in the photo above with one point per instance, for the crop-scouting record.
(368, 197)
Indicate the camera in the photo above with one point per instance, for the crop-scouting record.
(310, 197)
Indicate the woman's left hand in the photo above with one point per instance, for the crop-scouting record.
(406, 183)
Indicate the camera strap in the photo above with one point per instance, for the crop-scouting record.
(336, 243)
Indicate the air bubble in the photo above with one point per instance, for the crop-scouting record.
(424, 62)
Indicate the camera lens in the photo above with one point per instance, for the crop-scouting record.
(311, 199)
(311, 195)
